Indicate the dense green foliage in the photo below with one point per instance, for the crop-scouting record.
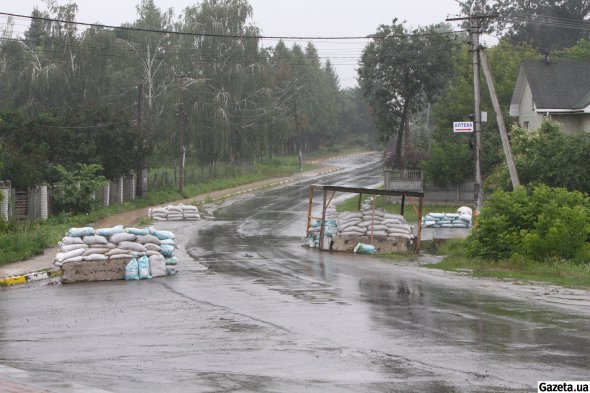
(71, 97)
(547, 156)
(75, 190)
(540, 223)
(401, 72)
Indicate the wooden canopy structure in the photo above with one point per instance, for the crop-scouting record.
(361, 191)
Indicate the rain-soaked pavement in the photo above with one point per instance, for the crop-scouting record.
(253, 310)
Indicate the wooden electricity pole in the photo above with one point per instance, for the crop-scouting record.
(141, 166)
(500, 121)
(475, 31)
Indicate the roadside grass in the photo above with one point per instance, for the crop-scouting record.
(563, 273)
(410, 208)
(22, 240)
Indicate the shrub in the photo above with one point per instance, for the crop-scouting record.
(541, 223)
(75, 190)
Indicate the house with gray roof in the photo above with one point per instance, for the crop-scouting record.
(556, 88)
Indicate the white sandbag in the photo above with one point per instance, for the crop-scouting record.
(160, 218)
(132, 246)
(157, 265)
(167, 241)
(120, 256)
(189, 208)
(132, 270)
(354, 228)
(116, 251)
(110, 231)
(70, 247)
(365, 224)
(347, 224)
(138, 231)
(96, 257)
(393, 221)
(377, 212)
(192, 215)
(94, 250)
(465, 210)
(149, 253)
(401, 227)
(171, 208)
(122, 237)
(192, 218)
(62, 256)
(80, 232)
(143, 239)
(143, 265)
(67, 240)
(348, 215)
(109, 245)
(79, 258)
(95, 239)
(163, 234)
(377, 227)
(175, 218)
(391, 216)
(152, 247)
(378, 233)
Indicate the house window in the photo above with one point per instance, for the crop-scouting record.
(526, 125)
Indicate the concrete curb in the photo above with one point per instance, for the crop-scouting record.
(30, 277)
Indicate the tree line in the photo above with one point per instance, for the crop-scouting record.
(138, 95)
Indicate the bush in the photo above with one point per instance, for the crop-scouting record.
(75, 190)
(540, 223)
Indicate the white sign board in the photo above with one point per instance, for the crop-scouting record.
(463, 126)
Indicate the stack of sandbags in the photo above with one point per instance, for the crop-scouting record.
(175, 213)
(88, 244)
(378, 223)
(461, 219)
(313, 236)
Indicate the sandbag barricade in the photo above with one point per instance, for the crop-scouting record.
(461, 219)
(178, 212)
(103, 254)
(377, 223)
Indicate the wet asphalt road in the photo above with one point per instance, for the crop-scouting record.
(270, 315)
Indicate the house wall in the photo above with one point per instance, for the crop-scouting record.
(572, 123)
(527, 109)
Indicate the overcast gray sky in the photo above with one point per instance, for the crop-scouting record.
(283, 18)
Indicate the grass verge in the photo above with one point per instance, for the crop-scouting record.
(563, 273)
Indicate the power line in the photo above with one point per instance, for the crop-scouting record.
(241, 36)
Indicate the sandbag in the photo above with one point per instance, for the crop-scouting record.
(362, 248)
(96, 257)
(131, 246)
(94, 250)
(369, 212)
(400, 235)
(110, 231)
(143, 265)
(152, 247)
(67, 240)
(79, 258)
(167, 250)
(465, 210)
(62, 256)
(171, 261)
(80, 232)
(70, 247)
(122, 237)
(132, 270)
(95, 239)
(143, 239)
(138, 231)
(167, 241)
(163, 234)
(157, 265)
(116, 251)
(120, 256)
(348, 215)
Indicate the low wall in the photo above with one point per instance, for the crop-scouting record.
(107, 270)
(382, 245)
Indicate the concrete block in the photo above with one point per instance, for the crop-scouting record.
(107, 270)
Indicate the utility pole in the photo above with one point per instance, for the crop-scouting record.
(297, 127)
(141, 169)
(500, 121)
(475, 31)
(182, 150)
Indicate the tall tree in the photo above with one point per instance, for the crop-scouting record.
(401, 71)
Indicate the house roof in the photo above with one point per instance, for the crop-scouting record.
(555, 84)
